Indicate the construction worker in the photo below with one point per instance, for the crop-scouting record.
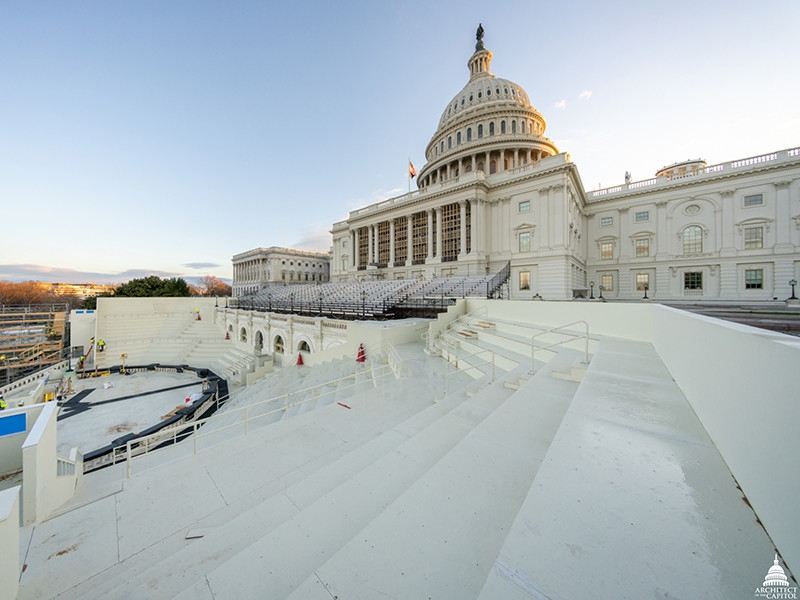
(2, 402)
(101, 345)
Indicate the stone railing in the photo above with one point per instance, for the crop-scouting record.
(744, 163)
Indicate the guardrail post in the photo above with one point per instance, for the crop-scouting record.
(194, 436)
(128, 459)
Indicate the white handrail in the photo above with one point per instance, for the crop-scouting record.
(143, 444)
(572, 336)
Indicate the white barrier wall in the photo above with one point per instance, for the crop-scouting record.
(42, 490)
(9, 543)
(742, 383)
(11, 445)
(629, 321)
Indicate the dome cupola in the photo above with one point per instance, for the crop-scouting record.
(489, 126)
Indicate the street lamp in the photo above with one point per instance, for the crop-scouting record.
(793, 283)
(601, 293)
(591, 292)
(645, 287)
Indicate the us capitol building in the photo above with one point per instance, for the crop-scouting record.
(495, 191)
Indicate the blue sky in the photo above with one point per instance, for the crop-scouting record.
(162, 138)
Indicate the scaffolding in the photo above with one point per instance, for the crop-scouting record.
(32, 337)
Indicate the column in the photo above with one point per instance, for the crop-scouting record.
(624, 240)
(370, 260)
(473, 163)
(430, 235)
(391, 242)
(662, 232)
(463, 241)
(439, 232)
(410, 242)
(486, 168)
(783, 219)
(356, 247)
(473, 235)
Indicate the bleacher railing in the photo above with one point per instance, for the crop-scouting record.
(148, 444)
(569, 337)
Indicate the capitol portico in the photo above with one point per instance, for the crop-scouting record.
(495, 191)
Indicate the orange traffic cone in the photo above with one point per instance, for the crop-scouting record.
(299, 359)
(361, 357)
(227, 335)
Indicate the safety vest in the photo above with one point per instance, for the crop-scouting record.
(2, 403)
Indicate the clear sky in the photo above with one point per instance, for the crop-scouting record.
(163, 137)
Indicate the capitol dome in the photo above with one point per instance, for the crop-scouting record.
(488, 126)
(776, 576)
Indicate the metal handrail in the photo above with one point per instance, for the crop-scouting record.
(143, 444)
(471, 366)
(572, 336)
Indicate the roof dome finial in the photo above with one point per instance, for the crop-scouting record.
(479, 37)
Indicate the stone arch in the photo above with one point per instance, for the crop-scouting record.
(303, 346)
(243, 334)
(307, 342)
(278, 344)
(259, 340)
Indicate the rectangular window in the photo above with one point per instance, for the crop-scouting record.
(524, 280)
(344, 264)
(754, 279)
(606, 221)
(642, 248)
(753, 238)
(642, 280)
(642, 216)
(607, 281)
(754, 200)
(524, 206)
(607, 250)
(525, 241)
(693, 281)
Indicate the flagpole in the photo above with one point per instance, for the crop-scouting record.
(409, 177)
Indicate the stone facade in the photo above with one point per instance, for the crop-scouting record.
(256, 268)
(494, 191)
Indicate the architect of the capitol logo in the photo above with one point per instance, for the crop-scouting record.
(776, 584)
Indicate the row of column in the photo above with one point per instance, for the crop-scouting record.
(517, 155)
(372, 236)
(248, 271)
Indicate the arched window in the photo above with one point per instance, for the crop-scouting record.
(458, 138)
(492, 167)
(450, 142)
(480, 131)
(491, 128)
(469, 134)
(442, 145)
(243, 335)
(522, 126)
(693, 240)
(259, 340)
(513, 127)
(502, 126)
(278, 346)
(479, 166)
(303, 347)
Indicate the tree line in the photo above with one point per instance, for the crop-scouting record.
(36, 292)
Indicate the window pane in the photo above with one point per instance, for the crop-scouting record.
(524, 206)
(754, 200)
(693, 281)
(606, 250)
(608, 283)
(754, 279)
(606, 221)
(643, 216)
(525, 241)
(692, 240)
(642, 279)
(753, 238)
(642, 248)
(525, 280)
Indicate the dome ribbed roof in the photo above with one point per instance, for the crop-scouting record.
(485, 90)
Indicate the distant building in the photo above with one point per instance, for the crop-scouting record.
(81, 290)
(256, 268)
(495, 191)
